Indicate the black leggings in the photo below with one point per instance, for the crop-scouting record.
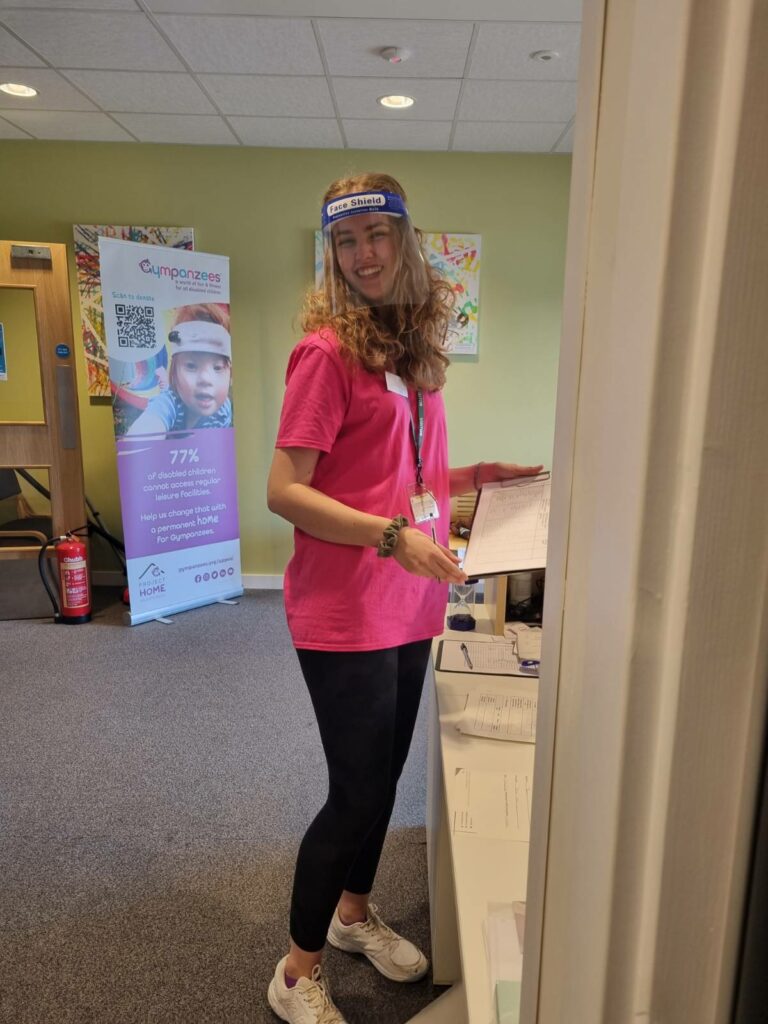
(366, 705)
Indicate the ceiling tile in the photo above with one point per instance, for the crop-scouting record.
(397, 134)
(62, 5)
(435, 98)
(270, 95)
(183, 128)
(154, 92)
(45, 124)
(53, 92)
(79, 39)
(565, 145)
(459, 10)
(504, 51)
(438, 48)
(518, 101)
(322, 133)
(263, 46)
(494, 137)
(10, 131)
(14, 52)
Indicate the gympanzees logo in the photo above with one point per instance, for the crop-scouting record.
(178, 273)
(152, 581)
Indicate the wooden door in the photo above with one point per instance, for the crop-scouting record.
(53, 440)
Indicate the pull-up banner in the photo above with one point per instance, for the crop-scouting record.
(166, 321)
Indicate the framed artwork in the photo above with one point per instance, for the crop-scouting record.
(89, 287)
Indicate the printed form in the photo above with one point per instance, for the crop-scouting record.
(509, 530)
(500, 716)
(493, 805)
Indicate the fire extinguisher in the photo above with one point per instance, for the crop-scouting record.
(74, 585)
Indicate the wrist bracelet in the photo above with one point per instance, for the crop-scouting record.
(476, 479)
(386, 546)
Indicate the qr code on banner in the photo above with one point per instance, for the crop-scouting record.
(135, 326)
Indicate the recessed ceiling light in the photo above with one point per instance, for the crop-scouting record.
(544, 55)
(14, 89)
(396, 102)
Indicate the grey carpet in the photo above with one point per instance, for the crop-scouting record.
(154, 785)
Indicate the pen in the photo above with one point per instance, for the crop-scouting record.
(467, 658)
(432, 528)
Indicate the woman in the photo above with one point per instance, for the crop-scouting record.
(361, 470)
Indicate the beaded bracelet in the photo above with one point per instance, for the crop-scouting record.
(476, 479)
(386, 546)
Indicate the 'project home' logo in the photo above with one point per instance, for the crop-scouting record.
(182, 273)
(152, 581)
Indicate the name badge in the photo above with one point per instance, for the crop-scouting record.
(423, 504)
(395, 383)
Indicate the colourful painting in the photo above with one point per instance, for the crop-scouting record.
(89, 287)
(457, 259)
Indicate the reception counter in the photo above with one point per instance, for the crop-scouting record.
(467, 872)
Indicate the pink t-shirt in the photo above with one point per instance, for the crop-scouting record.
(341, 597)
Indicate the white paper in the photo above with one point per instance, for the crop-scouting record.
(500, 716)
(509, 530)
(527, 640)
(481, 658)
(505, 926)
(493, 805)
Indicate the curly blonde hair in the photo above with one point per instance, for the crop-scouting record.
(405, 338)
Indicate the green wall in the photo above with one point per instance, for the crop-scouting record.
(260, 207)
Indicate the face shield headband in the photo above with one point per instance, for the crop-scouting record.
(363, 202)
(371, 253)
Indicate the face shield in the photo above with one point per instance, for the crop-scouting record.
(371, 253)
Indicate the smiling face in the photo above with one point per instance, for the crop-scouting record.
(201, 380)
(366, 251)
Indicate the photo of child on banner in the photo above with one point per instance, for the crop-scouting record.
(196, 392)
(186, 383)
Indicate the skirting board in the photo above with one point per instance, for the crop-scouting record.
(251, 581)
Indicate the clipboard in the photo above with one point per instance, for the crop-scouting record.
(509, 528)
(499, 659)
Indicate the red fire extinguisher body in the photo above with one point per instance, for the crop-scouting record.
(74, 582)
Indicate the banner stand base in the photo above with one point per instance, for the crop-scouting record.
(161, 615)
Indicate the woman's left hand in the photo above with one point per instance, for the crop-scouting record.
(493, 472)
(466, 478)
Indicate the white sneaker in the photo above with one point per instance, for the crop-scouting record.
(392, 955)
(308, 1002)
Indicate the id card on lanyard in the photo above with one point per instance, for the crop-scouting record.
(421, 497)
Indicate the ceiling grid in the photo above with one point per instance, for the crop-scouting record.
(294, 73)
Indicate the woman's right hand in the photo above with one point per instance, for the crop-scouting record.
(420, 555)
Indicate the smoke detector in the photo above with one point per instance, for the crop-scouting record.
(395, 54)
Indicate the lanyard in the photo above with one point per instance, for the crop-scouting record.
(418, 437)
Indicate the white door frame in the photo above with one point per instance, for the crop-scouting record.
(653, 689)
